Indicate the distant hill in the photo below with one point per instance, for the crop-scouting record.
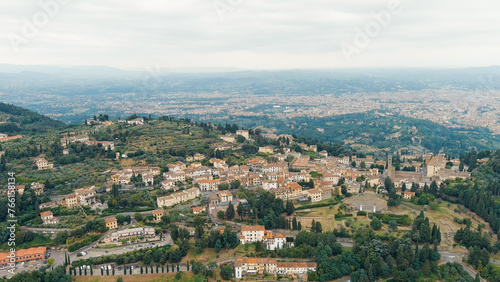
(385, 131)
(16, 120)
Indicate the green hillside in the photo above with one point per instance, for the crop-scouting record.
(384, 131)
(17, 120)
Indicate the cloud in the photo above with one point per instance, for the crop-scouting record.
(254, 34)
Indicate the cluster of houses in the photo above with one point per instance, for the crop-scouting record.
(254, 233)
(435, 170)
(259, 266)
(35, 186)
(80, 197)
(124, 176)
(84, 138)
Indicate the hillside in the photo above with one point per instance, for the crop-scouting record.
(384, 131)
(16, 120)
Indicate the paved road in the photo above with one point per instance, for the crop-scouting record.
(86, 248)
(451, 257)
(222, 222)
(45, 230)
(97, 252)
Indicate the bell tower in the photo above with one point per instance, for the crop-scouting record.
(390, 169)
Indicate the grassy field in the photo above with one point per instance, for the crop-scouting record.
(211, 255)
(443, 216)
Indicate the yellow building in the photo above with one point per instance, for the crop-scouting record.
(111, 222)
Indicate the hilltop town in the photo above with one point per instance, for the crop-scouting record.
(141, 194)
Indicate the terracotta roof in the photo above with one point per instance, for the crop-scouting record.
(155, 212)
(110, 219)
(253, 228)
(294, 186)
(25, 252)
(46, 213)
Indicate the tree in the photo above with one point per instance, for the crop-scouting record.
(375, 223)
(223, 186)
(290, 208)
(138, 216)
(343, 189)
(178, 276)
(319, 228)
(230, 211)
(299, 226)
(259, 246)
(313, 226)
(294, 223)
(240, 210)
(218, 246)
(312, 276)
(50, 261)
(226, 272)
(235, 184)
(220, 214)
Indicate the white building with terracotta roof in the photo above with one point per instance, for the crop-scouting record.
(86, 196)
(225, 196)
(255, 266)
(209, 185)
(177, 198)
(48, 218)
(274, 242)
(252, 233)
(42, 163)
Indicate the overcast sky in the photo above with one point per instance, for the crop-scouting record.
(254, 34)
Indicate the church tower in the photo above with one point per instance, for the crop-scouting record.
(390, 170)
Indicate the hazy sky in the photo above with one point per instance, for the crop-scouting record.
(251, 34)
